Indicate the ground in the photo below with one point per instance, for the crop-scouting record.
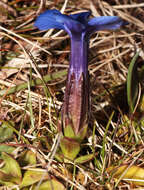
(33, 70)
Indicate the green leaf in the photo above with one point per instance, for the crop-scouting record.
(6, 148)
(83, 159)
(10, 125)
(33, 176)
(69, 147)
(132, 83)
(28, 157)
(11, 169)
(52, 184)
(7, 180)
(5, 132)
(68, 131)
(5, 177)
(105, 136)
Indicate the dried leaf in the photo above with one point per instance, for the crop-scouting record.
(80, 177)
(5, 9)
(14, 65)
(133, 174)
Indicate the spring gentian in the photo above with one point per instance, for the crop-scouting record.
(75, 109)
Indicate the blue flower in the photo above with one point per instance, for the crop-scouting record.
(79, 27)
(75, 110)
(77, 22)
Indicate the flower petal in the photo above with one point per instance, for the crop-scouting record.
(54, 19)
(81, 17)
(105, 23)
(48, 20)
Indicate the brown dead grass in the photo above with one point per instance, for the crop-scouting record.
(109, 57)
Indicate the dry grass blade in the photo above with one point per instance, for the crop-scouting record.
(33, 69)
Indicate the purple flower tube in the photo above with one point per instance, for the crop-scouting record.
(75, 109)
